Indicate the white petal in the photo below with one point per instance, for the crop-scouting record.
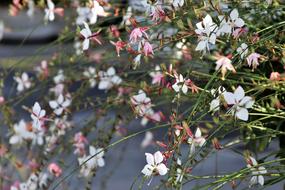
(158, 157)
(53, 104)
(58, 111)
(111, 71)
(15, 139)
(214, 105)
(239, 23)
(149, 158)
(85, 44)
(260, 180)
(239, 93)
(101, 162)
(51, 16)
(36, 108)
(234, 14)
(242, 114)
(60, 99)
(184, 88)
(147, 170)
(198, 133)
(50, 4)
(201, 45)
(247, 102)
(253, 180)
(104, 85)
(229, 98)
(162, 169)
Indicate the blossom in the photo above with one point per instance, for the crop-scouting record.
(96, 10)
(43, 68)
(235, 20)
(224, 64)
(177, 3)
(51, 10)
(179, 172)
(137, 60)
(257, 172)
(138, 33)
(79, 142)
(157, 76)
(157, 13)
(38, 115)
(196, 140)
(154, 164)
(126, 17)
(147, 49)
(91, 74)
(54, 169)
(60, 104)
(59, 78)
(141, 103)
(87, 34)
(207, 33)
(23, 82)
(252, 60)
(95, 159)
(108, 79)
(242, 50)
(148, 139)
(119, 46)
(215, 103)
(180, 84)
(240, 103)
(275, 76)
(22, 133)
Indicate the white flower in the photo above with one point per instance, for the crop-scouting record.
(126, 18)
(196, 140)
(84, 14)
(215, 103)
(154, 164)
(224, 64)
(21, 133)
(178, 3)
(23, 82)
(96, 10)
(156, 75)
(252, 60)
(207, 33)
(179, 172)
(148, 139)
(141, 103)
(59, 78)
(240, 103)
(235, 21)
(86, 33)
(97, 160)
(257, 172)
(38, 115)
(91, 74)
(49, 11)
(242, 50)
(108, 79)
(180, 84)
(60, 104)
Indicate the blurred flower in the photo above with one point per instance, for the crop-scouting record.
(54, 169)
(88, 35)
(275, 76)
(154, 165)
(224, 64)
(242, 50)
(38, 116)
(177, 3)
(93, 160)
(108, 79)
(148, 139)
(196, 140)
(252, 60)
(97, 10)
(60, 104)
(21, 133)
(157, 76)
(257, 172)
(147, 49)
(51, 10)
(23, 82)
(138, 33)
(119, 46)
(240, 103)
(91, 74)
(207, 33)
(180, 84)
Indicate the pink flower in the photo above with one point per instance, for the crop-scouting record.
(79, 142)
(2, 100)
(239, 31)
(138, 33)
(275, 76)
(157, 14)
(224, 64)
(147, 49)
(54, 169)
(119, 46)
(252, 60)
(157, 76)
